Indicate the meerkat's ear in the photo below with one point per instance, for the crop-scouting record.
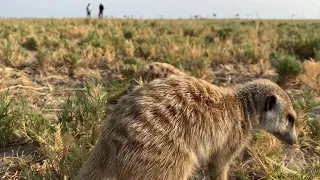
(271, 100)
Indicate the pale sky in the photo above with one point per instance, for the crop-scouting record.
(167, 8)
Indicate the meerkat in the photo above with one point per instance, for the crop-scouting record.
(148, 73)
(164, 129)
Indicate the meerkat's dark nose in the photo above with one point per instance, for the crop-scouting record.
(292, 139)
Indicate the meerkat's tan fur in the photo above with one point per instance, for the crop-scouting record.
(166, 128)
(148, 73)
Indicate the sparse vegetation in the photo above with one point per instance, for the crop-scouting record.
(6, 120)
(285, 65)
(59, 110)
(31, 43)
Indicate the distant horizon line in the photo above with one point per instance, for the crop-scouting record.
(165, 18)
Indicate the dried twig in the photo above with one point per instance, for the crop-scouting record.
(21, 86)
(34, 89)
(71, 89)
(52, 110)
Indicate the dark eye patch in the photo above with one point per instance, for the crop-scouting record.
(291, 119)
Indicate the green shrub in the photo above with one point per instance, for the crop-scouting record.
(86, 21)
(43, 57)
(143, 50)
(299, 42)
(130, 60)
(51, 44)
(317, 55)
(209, 38)
(192, 30)
(6, 119)
(99, 43)
(306, 102)
(285, 65)
(12, 54)
(72, 58)
(128, 34)
(314, 126)
(154, 24)
(251, 54)
(199, 67)
(248, 23)
(84, 110)
(166, 30)
(31, 43)
(224, 33)
(92, 36)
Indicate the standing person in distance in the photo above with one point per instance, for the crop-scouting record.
(88, 11)
(101, 8)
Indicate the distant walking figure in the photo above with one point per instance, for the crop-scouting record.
(88, 10)
(101, 8)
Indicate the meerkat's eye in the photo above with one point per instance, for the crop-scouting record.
(291, 119)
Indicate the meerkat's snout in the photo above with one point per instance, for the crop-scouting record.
(280, 119)
(288, 137)
(291, 137)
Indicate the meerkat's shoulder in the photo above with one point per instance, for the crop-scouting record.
(189, 83)
(159, 67)
(258, 84)
(262, 81)
(158, 64)
(178, 79)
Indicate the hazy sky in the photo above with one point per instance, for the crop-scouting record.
(168, 8)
